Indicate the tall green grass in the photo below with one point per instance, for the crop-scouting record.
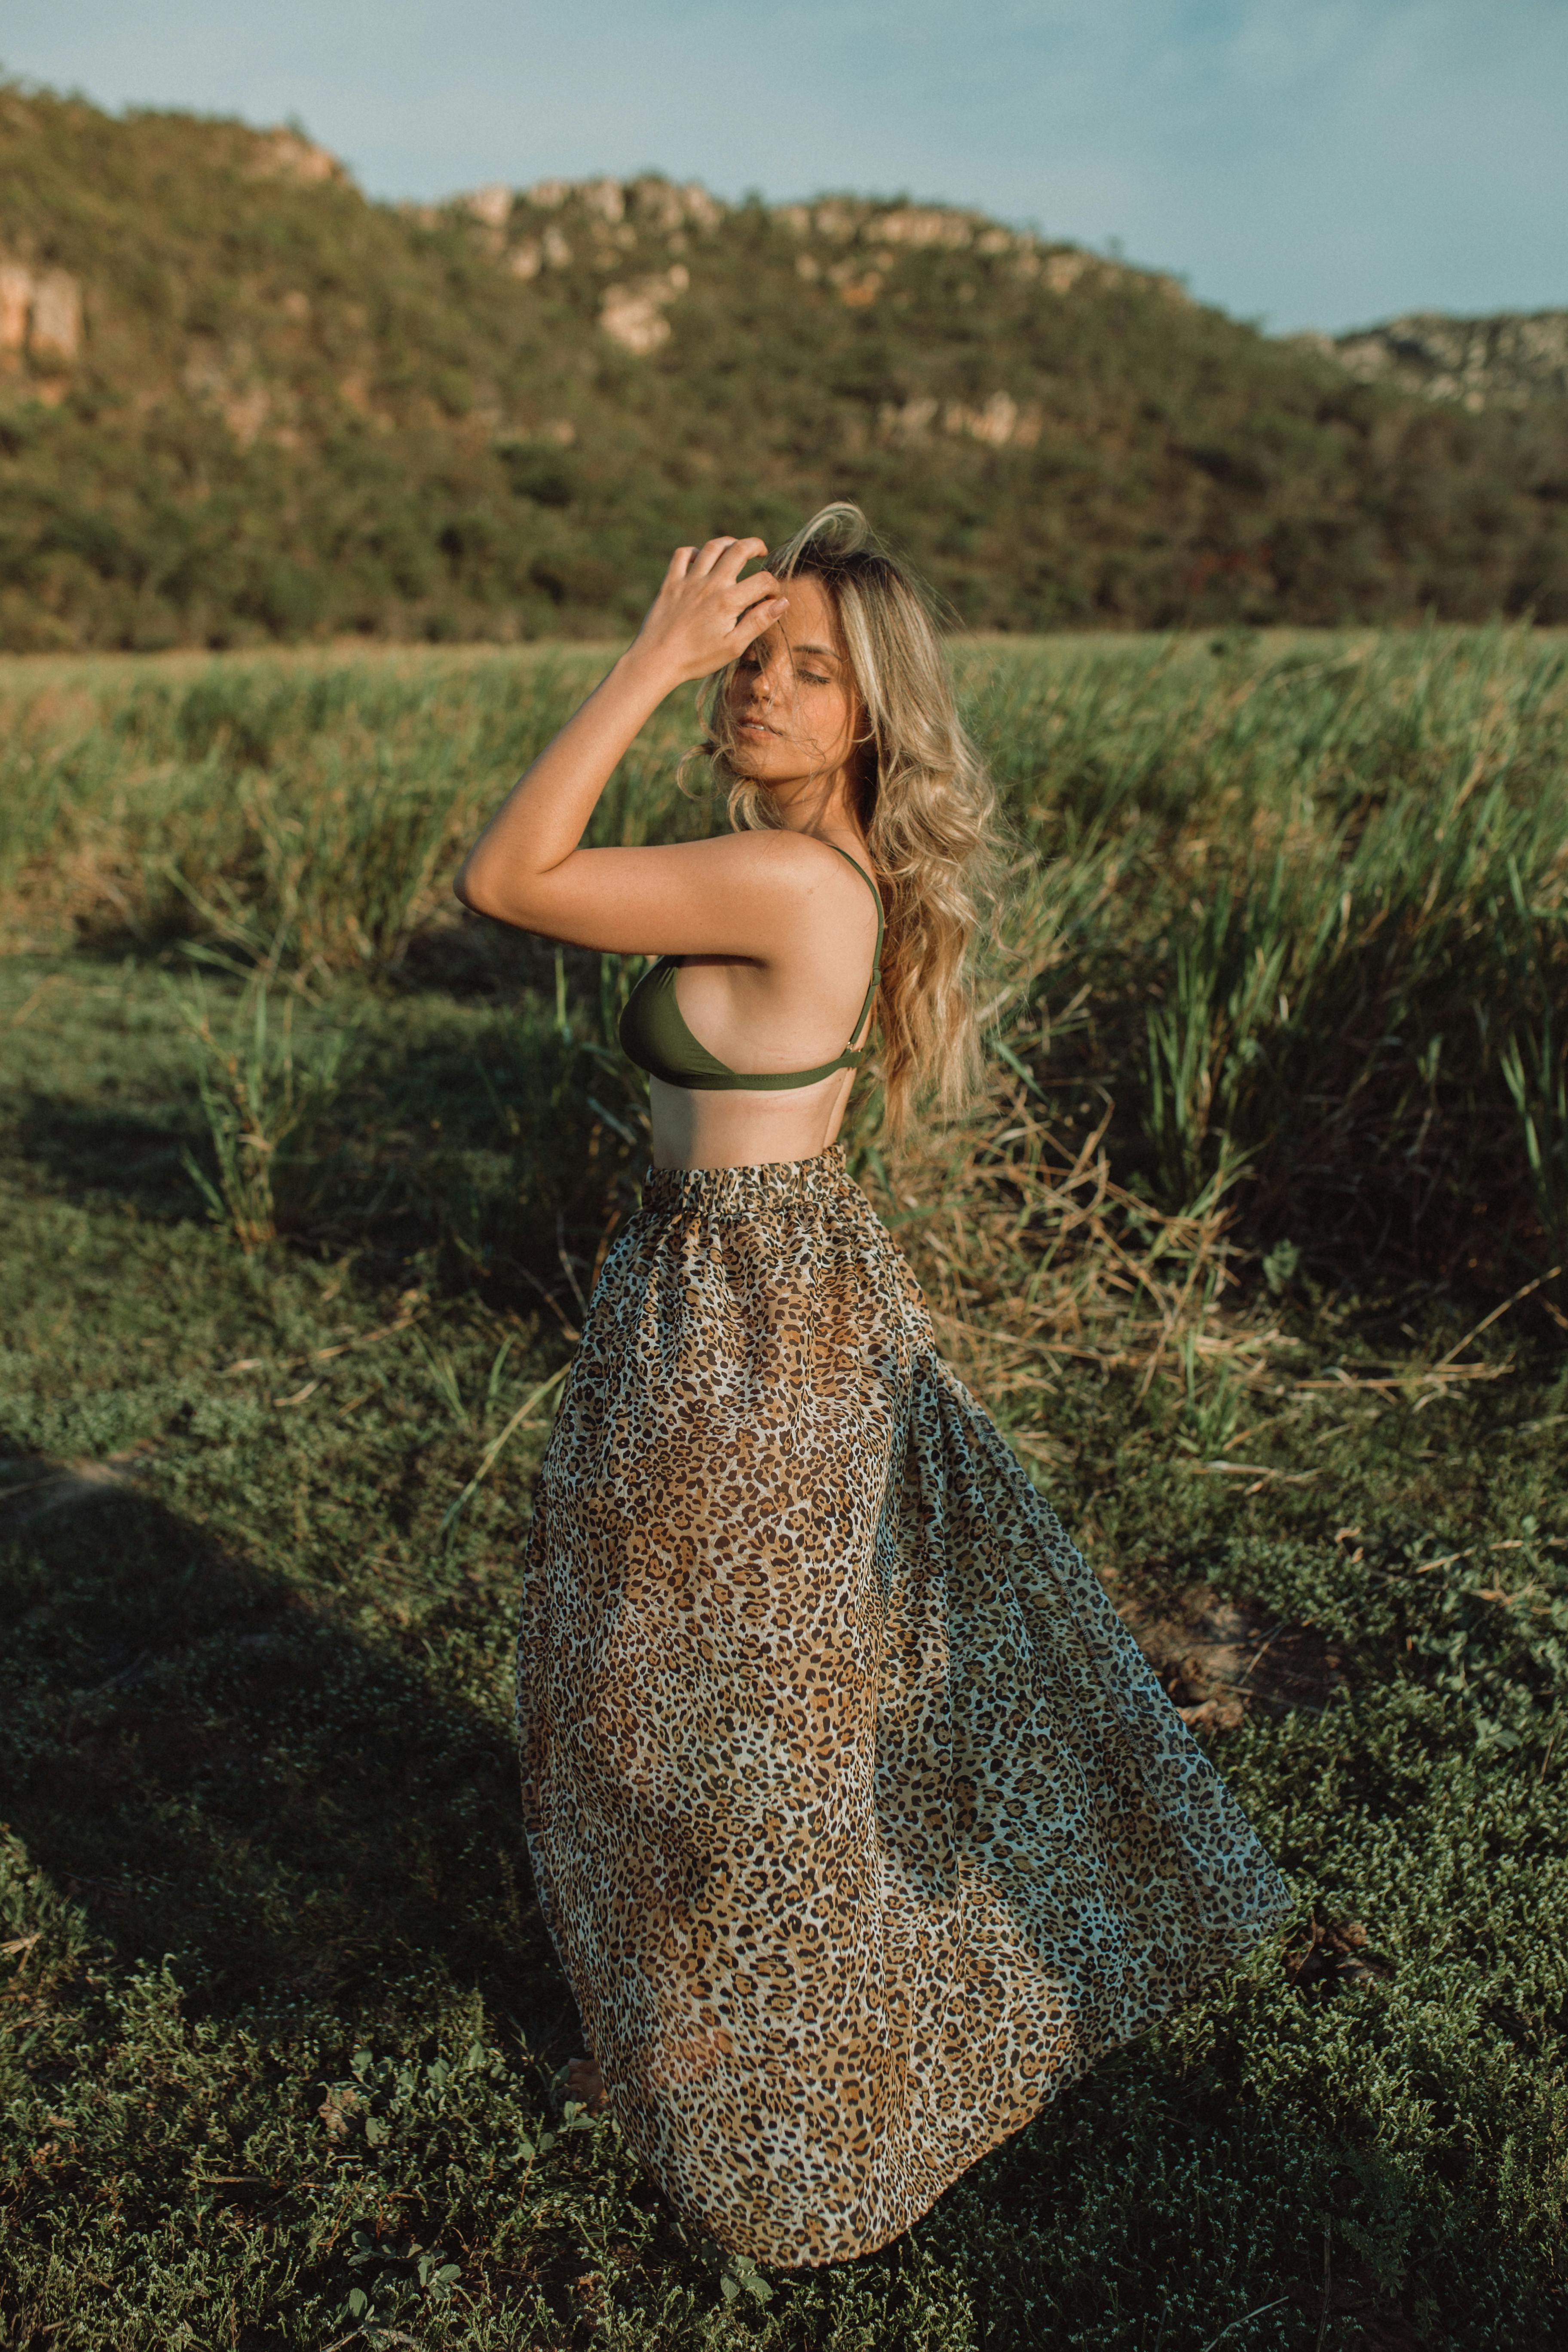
(328, 805)
(1313, 890)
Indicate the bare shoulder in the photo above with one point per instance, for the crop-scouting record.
(796, 864)
(755, 894)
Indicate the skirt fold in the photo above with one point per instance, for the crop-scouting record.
(859, 1822)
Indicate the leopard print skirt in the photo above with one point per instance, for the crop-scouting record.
(859, 1823)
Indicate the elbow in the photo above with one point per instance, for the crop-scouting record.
(469, 889)
(484, 890)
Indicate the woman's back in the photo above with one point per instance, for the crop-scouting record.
(721, 1040)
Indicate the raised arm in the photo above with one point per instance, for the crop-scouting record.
(527, 868)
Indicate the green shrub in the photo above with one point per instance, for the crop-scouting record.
(297, 413)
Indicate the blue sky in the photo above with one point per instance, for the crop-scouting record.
(1304, 163)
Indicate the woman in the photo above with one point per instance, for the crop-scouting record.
(859, 1822)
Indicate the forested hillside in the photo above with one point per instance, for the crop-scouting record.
(239, 401)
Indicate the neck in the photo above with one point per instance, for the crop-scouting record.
(816, 804)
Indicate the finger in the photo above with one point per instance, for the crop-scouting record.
(708, 555)
(758, 619)
(737, 553)
(680, 564)
(761, 584)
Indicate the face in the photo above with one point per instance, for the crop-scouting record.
(791, 699)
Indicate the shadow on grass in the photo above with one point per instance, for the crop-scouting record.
(85, 1154)
(480, 1149)
(218, 1770)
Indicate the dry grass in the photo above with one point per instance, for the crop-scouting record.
(1029, 1255)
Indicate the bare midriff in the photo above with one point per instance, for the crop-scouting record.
(743, 1131)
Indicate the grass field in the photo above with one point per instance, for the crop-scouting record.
(1253, 1252)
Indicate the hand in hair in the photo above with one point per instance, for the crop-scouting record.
(705, 614)
(727, 896)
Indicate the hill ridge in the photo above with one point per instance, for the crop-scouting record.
(240, 399)
(1507, 357)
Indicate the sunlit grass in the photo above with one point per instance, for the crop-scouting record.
(305, 1177)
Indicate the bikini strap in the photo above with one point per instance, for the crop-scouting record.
(876, 960)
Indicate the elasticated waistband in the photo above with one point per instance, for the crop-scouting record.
(770, 1185)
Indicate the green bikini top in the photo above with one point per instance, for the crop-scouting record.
(658, 1040)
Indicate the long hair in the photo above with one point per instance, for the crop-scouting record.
(922, 798)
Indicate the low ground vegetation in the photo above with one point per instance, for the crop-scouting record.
(1254, 1251)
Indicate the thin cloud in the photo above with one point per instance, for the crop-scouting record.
(1312, 162)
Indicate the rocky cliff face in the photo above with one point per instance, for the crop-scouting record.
(40, 319)
(849, 246)
(1508, 360)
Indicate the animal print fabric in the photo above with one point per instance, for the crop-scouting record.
(858, 1821)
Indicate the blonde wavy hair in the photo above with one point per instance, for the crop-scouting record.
(922, 798)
